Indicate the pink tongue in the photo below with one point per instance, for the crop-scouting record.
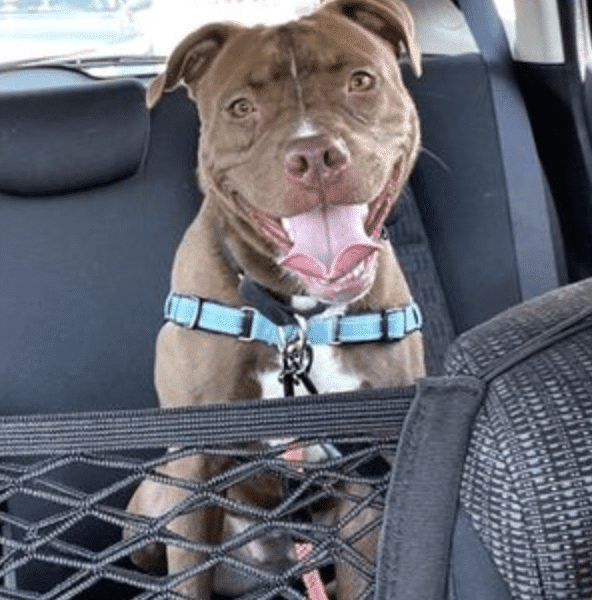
(328, 243)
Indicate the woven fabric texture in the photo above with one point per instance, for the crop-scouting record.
(527, 480)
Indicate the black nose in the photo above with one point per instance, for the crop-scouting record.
(320, 158)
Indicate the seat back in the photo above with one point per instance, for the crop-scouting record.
(463, 195)
(525, 494)
(479, 185)
(95, 193)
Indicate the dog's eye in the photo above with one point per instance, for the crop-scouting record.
(361, 81)
(240, 108)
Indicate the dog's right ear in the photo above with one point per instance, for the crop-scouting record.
(390, 19)
(190, 59)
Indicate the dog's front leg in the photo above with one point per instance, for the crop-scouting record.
(359, 532)
(200, 523)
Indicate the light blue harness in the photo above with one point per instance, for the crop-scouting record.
(248, 324)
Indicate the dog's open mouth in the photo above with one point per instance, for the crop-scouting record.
(332, 250)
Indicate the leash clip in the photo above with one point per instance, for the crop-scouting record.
(297, 353)
(296, 356)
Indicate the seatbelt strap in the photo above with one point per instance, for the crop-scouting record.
(421, 502)
(529, 210)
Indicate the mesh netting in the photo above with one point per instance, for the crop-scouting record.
(291, 487)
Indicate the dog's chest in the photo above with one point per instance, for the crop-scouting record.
(327, 373)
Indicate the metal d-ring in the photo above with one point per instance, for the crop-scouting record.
(296, 358)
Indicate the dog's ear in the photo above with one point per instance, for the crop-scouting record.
(190, 59)
(390, 19)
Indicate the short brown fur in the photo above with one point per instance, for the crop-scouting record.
(246, 160)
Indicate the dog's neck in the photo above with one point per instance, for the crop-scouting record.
(301, 303)
(279, 310)
(308, 305)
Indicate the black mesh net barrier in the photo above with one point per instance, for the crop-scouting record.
(291, 488)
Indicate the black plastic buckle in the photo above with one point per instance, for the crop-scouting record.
(246, 334)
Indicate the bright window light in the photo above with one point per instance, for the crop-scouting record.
(506, 10)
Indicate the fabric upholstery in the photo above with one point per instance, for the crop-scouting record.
(84, 275)
(526, 483)
(105, 139)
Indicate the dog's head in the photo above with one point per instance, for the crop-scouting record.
(308, 134)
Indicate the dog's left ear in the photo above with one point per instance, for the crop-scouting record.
(390, 19)
(191, 58)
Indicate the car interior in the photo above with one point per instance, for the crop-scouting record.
(493, 232)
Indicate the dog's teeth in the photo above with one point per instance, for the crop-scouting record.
(286, 225)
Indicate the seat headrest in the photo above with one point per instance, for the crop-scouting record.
(60, 140)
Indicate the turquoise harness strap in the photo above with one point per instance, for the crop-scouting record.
(248, 324)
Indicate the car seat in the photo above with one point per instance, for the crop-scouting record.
(93, 201)
(525, 493)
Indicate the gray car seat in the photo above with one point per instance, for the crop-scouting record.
(93, 200)
(490, 495)
(525, 493)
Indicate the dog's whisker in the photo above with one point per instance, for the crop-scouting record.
(436, 159)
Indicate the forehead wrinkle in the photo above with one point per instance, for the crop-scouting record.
(294, 51)
(266, 73)
(297, 82)
(258, 76)
(273, 64)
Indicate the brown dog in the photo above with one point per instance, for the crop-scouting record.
(307, 137)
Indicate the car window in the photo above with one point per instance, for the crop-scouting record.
(37, 29)
(16, 7)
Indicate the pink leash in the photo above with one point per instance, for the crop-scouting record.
(312, 579)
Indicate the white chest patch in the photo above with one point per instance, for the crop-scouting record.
(327, 374)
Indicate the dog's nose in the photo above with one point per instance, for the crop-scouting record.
(317, 159)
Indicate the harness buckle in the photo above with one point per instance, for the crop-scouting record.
(404, 320)
(395, 330)
(416, 314)
(336, 328)
(246, 332)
